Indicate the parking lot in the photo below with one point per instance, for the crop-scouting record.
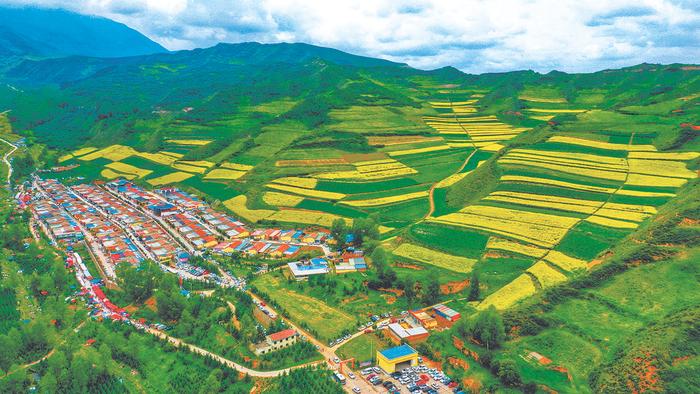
(413, 380)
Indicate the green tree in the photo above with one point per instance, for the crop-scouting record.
(212, 384)
(170, 304)
(364, 229)
(508, 373)
(474, 287)
(15, 382)
(339, 231)
(431, 293)
(138, 282)
(488, 328)
(409, 290)
(49, 384)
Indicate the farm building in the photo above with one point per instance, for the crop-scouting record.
(303, 269)
(443, 312)
(421, 318)
(397, 358)
(276, 341)
(399, 333)
(352, 261)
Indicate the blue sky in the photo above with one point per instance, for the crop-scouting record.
(473, 35)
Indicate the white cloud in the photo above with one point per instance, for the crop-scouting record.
(473, 35)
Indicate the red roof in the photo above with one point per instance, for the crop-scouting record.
(284, 334)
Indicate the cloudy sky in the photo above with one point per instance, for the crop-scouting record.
(472, 35)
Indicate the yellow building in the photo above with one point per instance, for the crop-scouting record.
(397, 358)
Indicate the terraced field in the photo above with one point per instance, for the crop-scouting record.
(564, 201)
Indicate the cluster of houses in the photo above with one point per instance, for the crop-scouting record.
(349, 261)
(112, 241)
(158, 243)
(415, 325)
(60, 225)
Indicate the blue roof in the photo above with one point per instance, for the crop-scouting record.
(397, 352)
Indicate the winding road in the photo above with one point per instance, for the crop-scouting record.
(6, 158)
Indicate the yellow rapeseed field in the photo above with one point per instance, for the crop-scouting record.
(664, 155)
(109, 174)
(169, 178)
(159, 158)
(188, 142)
(65, 157)
(602, 145)
(535, 228)
(557, 111)
(418, 150)
(558, 100)
(544, 118)
(281, 199)
(306, 217)
(508, 295)
(651, 180)
(554, 182)
(380, 167)
(603, 221)
(638, 193)
(630, 212)
(434, 257)
(451, 180)
(237, 205)
(307, 183)
(128, 169)
(373, 202)
(83, 151)
(189, 168)
(370, 170)
(373, 162)
(113, 153)
(566, 168)
(673, 169)
(400, 139)
(307, 192)
(198, 163)
(572, 157)
(173, 154)
(76, 153)
(236, 166)
(511, 246)
(546, 275)
(488, 147)
(223, 173)
(567, 263)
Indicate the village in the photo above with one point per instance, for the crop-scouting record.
(123, 223)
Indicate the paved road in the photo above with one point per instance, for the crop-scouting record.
(225, 361)
(6, 158)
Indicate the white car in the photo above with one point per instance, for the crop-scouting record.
(336, 360)
(356, 390)
(351, 375)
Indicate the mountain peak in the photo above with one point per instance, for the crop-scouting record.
(31, 31)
